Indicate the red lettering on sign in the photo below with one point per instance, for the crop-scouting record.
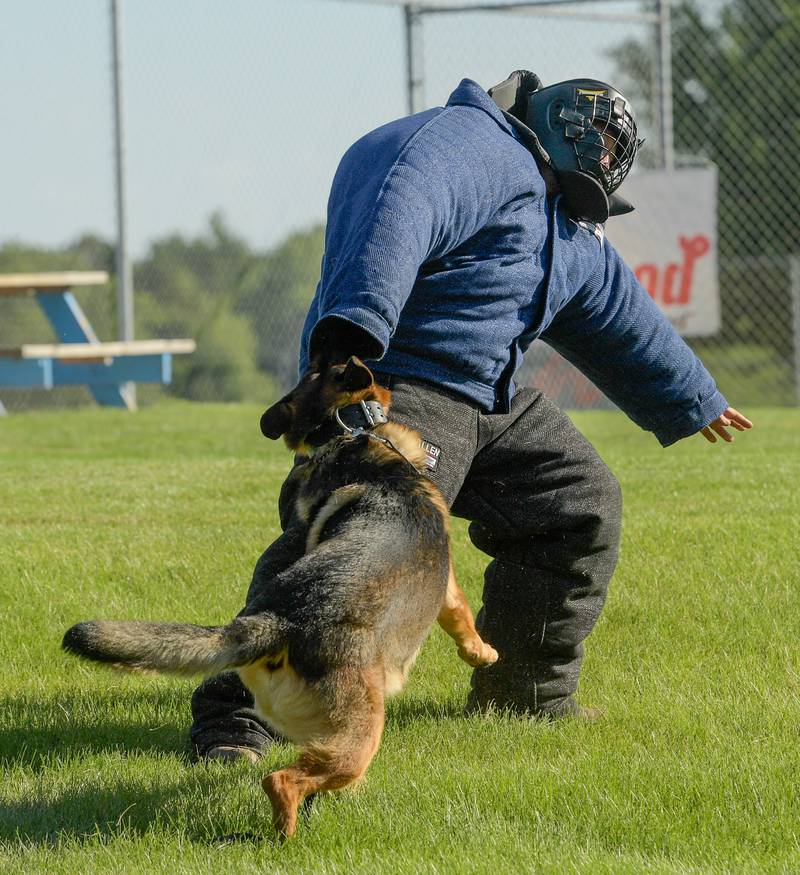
(660, 284)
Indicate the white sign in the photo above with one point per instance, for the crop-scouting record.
(670, 241)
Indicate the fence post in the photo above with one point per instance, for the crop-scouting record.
(124, 270)
(414, 73)
(665, 84)
(794, 283)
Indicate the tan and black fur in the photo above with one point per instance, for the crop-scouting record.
(323, 643)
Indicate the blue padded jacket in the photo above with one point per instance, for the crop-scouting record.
(443, 245)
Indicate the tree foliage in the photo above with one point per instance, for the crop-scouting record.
(275, 294)
(736, 89)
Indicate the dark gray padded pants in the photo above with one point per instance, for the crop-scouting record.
(540, 502)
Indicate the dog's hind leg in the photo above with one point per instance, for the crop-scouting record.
(456, 619)
(336, 761)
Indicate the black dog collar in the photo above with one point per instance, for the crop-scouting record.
(364, 415)
(356, 420)
(359, 418)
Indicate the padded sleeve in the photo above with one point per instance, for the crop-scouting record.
(615, 334)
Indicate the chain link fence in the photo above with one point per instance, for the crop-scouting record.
(236, 121)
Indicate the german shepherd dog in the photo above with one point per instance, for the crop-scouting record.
(323, 643)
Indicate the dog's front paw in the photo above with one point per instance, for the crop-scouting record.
(478, 653)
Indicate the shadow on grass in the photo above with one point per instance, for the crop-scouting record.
(93, 813)
(37, 733)
(36, 730)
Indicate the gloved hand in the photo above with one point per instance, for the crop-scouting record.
(335, 340)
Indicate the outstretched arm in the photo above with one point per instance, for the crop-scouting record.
(615, 334)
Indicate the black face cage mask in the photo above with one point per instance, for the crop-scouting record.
(602, 131)
(574, 129)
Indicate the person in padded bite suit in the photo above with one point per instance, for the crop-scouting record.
(455, 238)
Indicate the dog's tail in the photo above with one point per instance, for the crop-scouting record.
(177, 648)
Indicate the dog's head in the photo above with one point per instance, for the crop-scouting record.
(304, 416)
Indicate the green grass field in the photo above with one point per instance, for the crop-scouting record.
(162, 515)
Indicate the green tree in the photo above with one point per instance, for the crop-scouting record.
(276, 294)
(736, 89)
(190, 288)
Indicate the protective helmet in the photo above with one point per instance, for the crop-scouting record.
(586, 126)
(583, 130)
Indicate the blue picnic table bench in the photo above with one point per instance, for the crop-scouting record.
(79, 357)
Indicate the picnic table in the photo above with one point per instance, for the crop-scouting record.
(79, 357)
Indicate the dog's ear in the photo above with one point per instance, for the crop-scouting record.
(356, 375)
(317, 363)
(277, 420)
